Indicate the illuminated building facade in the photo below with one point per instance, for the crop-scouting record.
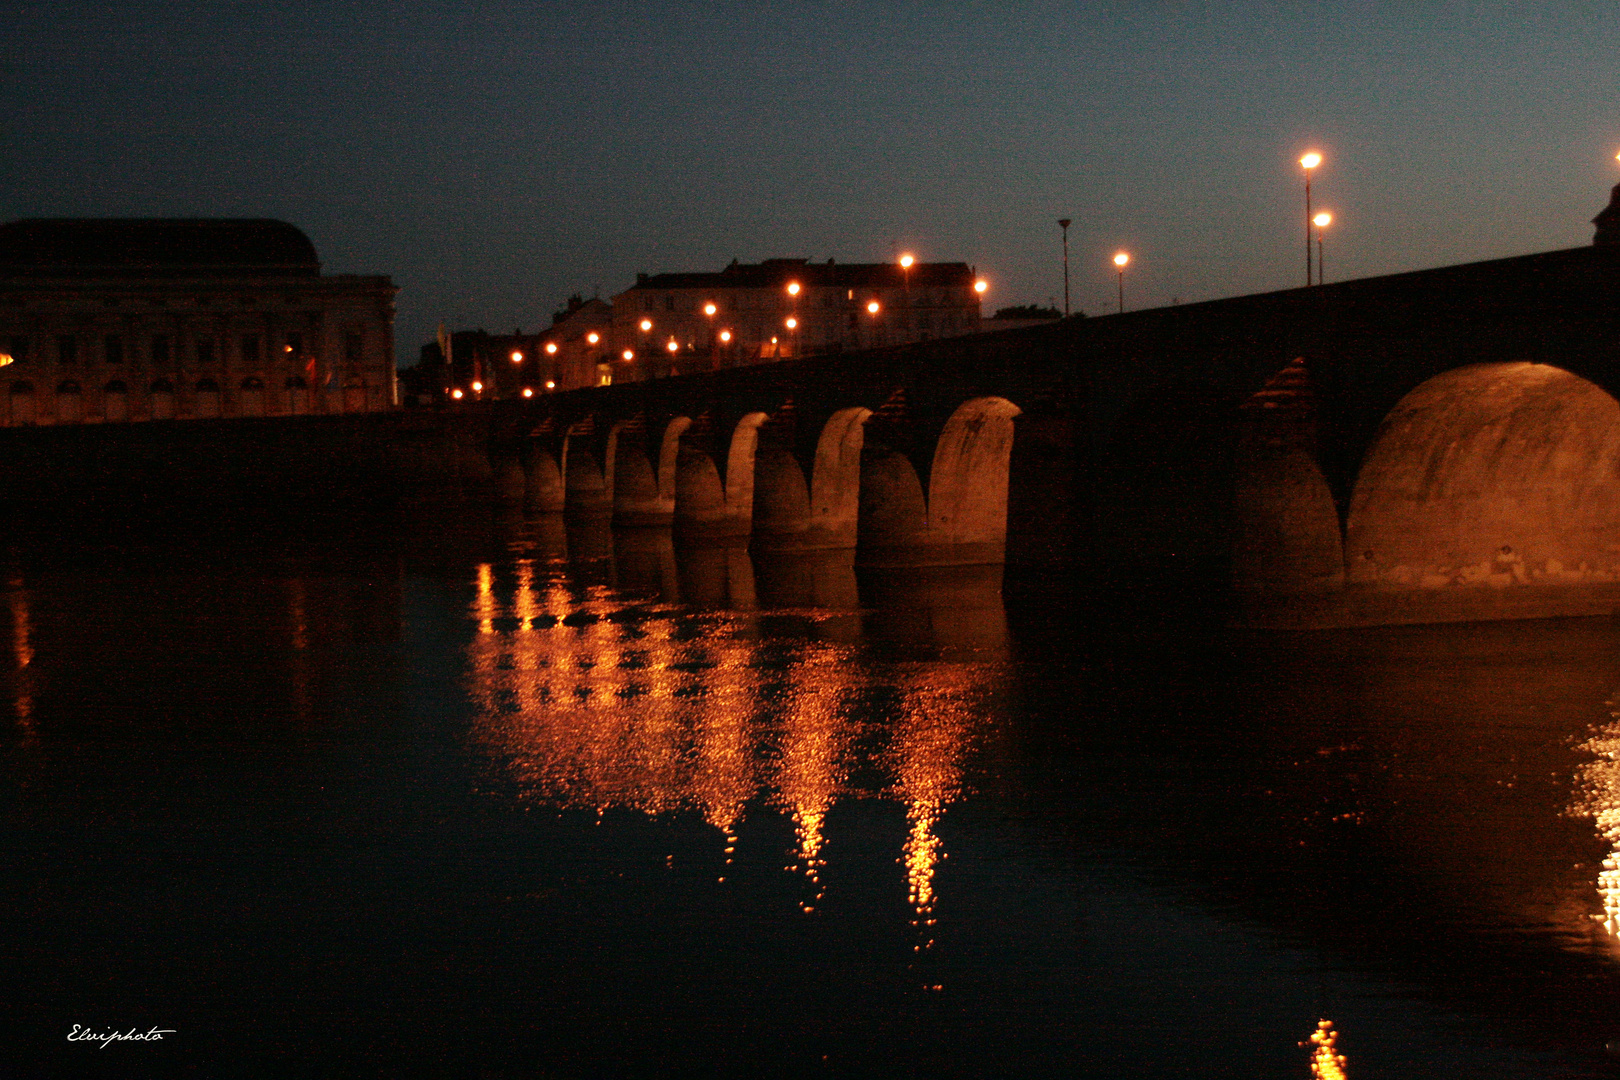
(780, 308)
(107, 319)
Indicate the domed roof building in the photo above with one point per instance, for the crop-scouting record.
(124, 319)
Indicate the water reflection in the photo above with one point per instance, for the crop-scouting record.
(22, 651)
(1598, 797)
(591, 699)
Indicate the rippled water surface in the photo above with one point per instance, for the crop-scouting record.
(506, 799)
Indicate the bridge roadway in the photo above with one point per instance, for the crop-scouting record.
(1437, 445)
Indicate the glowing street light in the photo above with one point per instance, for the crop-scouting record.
(456, 394)
(1121, 261)
(528, 391)
(793, 288)
(906, 261)
(1308, 162)
(593, 337)
(792, 323)
(710, 309)
(551, 384)
(629, 354)
(981, 286)
(1321, 221)
(517, 357)
(5, 358)
(478, 387)
(725, 336)
(646, 324)
(873, 307)
(551, 348)
(673, 347)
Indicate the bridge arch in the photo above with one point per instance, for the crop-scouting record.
(706, 503)
(543, 490)
(644, 489)
(963, 517)
(1499, 474)
(791, 514)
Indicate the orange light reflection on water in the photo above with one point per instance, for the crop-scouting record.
(589, 704)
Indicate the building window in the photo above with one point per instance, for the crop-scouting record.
(250, 349)
(160, 348)
(353, 346)
(67, 349)
(205, 350)
(669, 303)
(112, 349)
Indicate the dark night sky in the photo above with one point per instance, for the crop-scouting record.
(495, 157)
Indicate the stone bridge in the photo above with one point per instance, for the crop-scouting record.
(1442, 444)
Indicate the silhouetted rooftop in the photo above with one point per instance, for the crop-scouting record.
(776, 273)
(157, 247)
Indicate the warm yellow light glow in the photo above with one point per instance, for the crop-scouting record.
(456, 394)
(517, 357)
(5, 358)
(551, 348)
(550, 385)
(286, 348)
(793, 288)
(792, 324)
(981, 286)
(1121, 259)
(528, 391)
(1311, 160)
(478, 387)
(873, 307)
(629, 354)
(672, 346)
(646, 324)
(1322, 220)
(593, 337)
(906, 261)
(1326, 1062)
(709, 309)
(725, 335)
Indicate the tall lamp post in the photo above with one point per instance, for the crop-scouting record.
(1064, 223)
(1120, 261)
(1308, 162)
(1321, 221)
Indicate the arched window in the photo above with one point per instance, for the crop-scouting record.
(250, 401)
(206, 403)
(22, 402)
(69, 402)
(115, 401)
(162, 391)
(297, 395)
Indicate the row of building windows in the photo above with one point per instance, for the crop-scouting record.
(165, 348)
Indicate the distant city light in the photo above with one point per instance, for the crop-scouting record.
(906, 261)
(709, 309)
(981, 286)
(551, 347)
(646, 324)
(1311, 160)
(793, 288)
(873, 307)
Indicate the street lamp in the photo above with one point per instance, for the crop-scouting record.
(1308, 162)
(1321, 221)
(1064, 224)
(1120, 261)
(517, 357)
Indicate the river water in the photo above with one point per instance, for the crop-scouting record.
(505, 799)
